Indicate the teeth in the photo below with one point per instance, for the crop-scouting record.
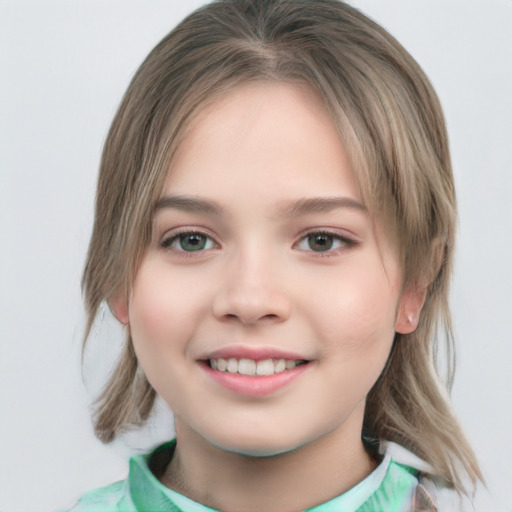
(289, 364)
(222, 365)
(251, 367)
(246, 367)
(280, 366)
(232, 365)
(265, 367)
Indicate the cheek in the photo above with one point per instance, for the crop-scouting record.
(354, 320)
(359, 305)
(356, 328)
(162, 310)
(163, 314)
(150, 317)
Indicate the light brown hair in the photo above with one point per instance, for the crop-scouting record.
(391, 123)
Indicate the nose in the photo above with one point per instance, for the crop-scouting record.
(252, 291)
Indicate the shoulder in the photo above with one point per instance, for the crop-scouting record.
(395, 489)
(429, 492)
(141, 490)
(111, 498)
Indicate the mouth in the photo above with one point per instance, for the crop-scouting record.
(252, 367)
(254, 372)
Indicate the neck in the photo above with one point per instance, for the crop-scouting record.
(312, 474)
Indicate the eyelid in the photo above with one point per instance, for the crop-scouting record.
(348, 240)
(174, 233)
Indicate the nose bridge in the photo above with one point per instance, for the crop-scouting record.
(253, 264)
(253, 288)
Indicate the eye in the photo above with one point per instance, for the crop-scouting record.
(189, 242)
(323, 242)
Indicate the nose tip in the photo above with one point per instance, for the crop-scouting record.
(250, 313)
(253, 287)
(251, 304)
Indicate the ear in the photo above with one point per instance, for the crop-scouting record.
(119, 307)
(413, 297)
(409, 309)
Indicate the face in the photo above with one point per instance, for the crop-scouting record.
(266, 305)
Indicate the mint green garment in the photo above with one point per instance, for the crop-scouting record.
(387, 489)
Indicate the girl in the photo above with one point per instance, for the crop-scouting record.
(274, 227)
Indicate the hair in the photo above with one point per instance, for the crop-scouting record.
(391, 123)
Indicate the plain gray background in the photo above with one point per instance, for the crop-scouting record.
(64, 66)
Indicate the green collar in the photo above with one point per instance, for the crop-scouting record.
(389, 488)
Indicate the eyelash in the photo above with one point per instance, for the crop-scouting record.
(345, 242)
(168, 241)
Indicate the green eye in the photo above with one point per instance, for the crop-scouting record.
(320, 242)
(189, 242)
(324, 242)
(192, 242)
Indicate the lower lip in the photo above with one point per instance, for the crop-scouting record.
(255, 385)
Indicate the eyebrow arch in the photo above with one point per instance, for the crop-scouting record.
(292, 210)
(319, 205)
(188, 204)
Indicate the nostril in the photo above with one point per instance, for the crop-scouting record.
(249, 320)
(250, 307)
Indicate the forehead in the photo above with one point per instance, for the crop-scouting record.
(265, 134)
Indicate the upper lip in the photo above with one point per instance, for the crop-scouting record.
(256, 353)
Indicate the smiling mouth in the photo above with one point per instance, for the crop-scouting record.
(251, 367)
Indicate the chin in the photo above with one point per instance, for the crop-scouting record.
(258, 445)
(259, 451)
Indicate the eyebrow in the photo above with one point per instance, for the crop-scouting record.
(188, 204)
(319, 205)
(291, 210)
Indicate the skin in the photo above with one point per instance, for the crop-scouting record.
(257, 282)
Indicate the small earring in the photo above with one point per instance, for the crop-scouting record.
(412, 319)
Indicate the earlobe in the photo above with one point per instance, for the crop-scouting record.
(119, 307)
(409, 310)
(413, 297)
